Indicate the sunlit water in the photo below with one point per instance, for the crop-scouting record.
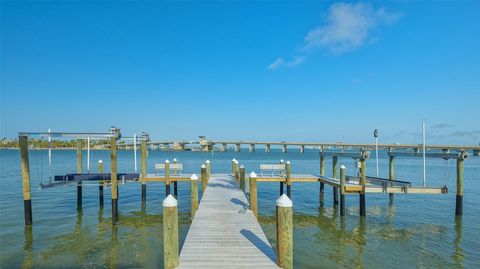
(418, 231)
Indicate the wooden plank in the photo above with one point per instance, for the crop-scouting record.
(224, 233)
(161, 178)
(272, 166)
(173, 166)
(412, 190)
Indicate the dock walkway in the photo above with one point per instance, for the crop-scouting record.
(224, 232)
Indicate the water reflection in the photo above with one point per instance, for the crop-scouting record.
(458, 255)
(27, 248)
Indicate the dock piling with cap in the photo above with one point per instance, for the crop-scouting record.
(253, 193)
(79, 171)
(284, 225)
(170, 232)
(100, 184)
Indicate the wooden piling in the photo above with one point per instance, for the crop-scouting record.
(284, 217)
(289, 180)
(203, 175)
(170, 232)
(342, 190)
(175, 185)
(282, 173)
(144, 171)
(253, 193)
(79, 171)
(236, 173)
(362, 182)
(100, 183)
(459, 201)
(391, 176)
(113, 179)
(207, 164)
(193, 194)
(334, 175)
(25, 164)
(322, 185)
(167, 178)
(233, 166)
(242, 177)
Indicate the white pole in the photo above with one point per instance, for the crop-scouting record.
(135, 150)
(49, 150)
(88, 154)
(424, 161)
(376, 152)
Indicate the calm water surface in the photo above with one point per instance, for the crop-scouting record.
(418, 231)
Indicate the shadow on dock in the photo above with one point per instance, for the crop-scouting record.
(258, 243)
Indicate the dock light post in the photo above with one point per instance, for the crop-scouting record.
(375, 134)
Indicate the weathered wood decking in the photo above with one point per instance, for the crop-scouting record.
(224, 232)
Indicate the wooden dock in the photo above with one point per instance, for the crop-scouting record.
(224, 232)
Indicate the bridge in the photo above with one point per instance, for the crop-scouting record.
(204, 144)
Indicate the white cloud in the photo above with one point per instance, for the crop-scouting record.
(348, 26)
(280, 62)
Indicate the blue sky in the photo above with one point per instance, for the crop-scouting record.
(315, 71)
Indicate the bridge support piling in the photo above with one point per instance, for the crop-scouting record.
(237, 147)
(284, 148)
(252, 148)
(267, 148)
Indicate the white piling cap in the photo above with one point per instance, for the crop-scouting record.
(241, 166)
(342, 167)
(233, 160)
(174, 159)
(281, 160)
(284, 201)
(170, 201)
(236, 161)
(194, 177)
(253, 175)
(167, 161)
(208, 161)
(203, 166)
(288, 162)
(100, 161)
